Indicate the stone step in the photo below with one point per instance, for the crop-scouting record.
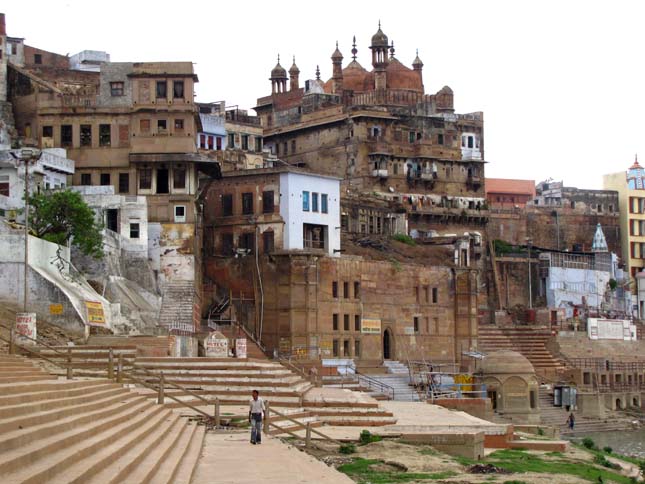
(72, 388)
(21, 379)
(186, 469)
(21, 448)
(78, 463)
(167, 471)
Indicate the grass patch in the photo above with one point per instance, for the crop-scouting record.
(347, 449)
(442, 475)
(514, 482)
(405, 239)
(554, 454)
(370, 471)
(428, 451)
(465, 461)
(367, 437)
(626, 458)
(520, 461)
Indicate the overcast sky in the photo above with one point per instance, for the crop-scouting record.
(560, 82)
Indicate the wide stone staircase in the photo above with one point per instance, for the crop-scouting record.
(86, 360)
(89, 430)
(177, 303)
(531, 342)
(557, 417)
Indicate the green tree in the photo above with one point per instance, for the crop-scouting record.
(62, 216)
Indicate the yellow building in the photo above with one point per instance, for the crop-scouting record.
(630, 186)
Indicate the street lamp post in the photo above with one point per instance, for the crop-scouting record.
(528, 243)
(26, 155)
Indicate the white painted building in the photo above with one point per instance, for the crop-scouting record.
(49, 172)
(310, 207)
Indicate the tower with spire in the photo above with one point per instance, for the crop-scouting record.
(599, 243)
(636, 176)
(294, 73)
(337, 75)
(379, 50)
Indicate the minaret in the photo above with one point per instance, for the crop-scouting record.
(294, 72)
(417, 65)
(337, 75)
(379, 50)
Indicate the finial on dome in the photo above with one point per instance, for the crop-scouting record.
(379, 23)
(278, 58)
(318, 73)
(354, 50)
(392, 50)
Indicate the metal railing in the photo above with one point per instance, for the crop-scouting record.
(356, 377)
(268, 411)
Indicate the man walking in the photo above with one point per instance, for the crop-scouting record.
(256, 413)
(571, 421)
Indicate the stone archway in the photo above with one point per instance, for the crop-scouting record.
(636, 402)
(388, 344)
(619, 404)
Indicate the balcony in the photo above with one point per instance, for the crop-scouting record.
(429, 176)
(471, 154)
(380, 173)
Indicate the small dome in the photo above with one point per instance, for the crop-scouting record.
(417, 62)
(445, 90)
(379, 39)
(506, 361)
(278, 72)
(337, 55)
(294, 68)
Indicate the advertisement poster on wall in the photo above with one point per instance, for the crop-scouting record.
(370, 326)
(240, 348)
(26, 328)
(95, 314)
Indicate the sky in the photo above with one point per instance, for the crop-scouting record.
(560, 82)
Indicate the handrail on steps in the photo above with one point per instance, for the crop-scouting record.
(12, 341)
(308, 429)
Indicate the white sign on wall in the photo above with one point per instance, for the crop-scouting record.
(26, 328)
(216, 346)
(615, 329)
(240, 348)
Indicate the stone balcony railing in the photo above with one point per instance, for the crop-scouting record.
(380, 173)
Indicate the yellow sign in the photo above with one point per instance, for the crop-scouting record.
(466, 381)
(95, 313)
(55, 309)
(371, 326)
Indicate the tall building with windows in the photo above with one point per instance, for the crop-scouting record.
(631, 197)
(131, 126)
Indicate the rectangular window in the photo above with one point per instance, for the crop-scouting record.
(357, 290)
(314, 202)
(145, 178)
(247, 241)
(86, 179)
(231, 140)
(179, 177)
(48, 131)
(162, 90)
(426, 292)
(357, 348)
(245, 142)
(227, 244)
(323, 203)
(416, 324)
(357, 322)
(334, 289)
(218, 143)
(268, 241)
(86, 135)
(267, 202)
(180, 213)
(124, 182)
(116, 89)
(305, 201)
(227, 205)
(247, 203)
(334, 348)
(334, 322)
(346, 348)
(258, 144)
(210, 142)
(134, 230)
(346, 322)
(4, 189)
(144, 125)
(105, 179)
(293, 146)
(66, 135)
(435, 295)
(346, 290)
(440, 139)
(178, 89)
(162, 126)
(179, 126)
(38, 58)
(105, 135)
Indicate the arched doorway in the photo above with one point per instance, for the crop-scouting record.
(387, 345)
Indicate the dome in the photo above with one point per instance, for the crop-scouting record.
(402, 77)
(506, 361)
(294, 68)
(278, 72)
(337, 54)
(445, 90)
(379, 39)
(417, 62)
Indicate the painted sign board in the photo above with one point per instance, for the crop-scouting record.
(56, 309)
(95, 314)
(240, 348)
(26, 328)
(216, 345)
(370, 326)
